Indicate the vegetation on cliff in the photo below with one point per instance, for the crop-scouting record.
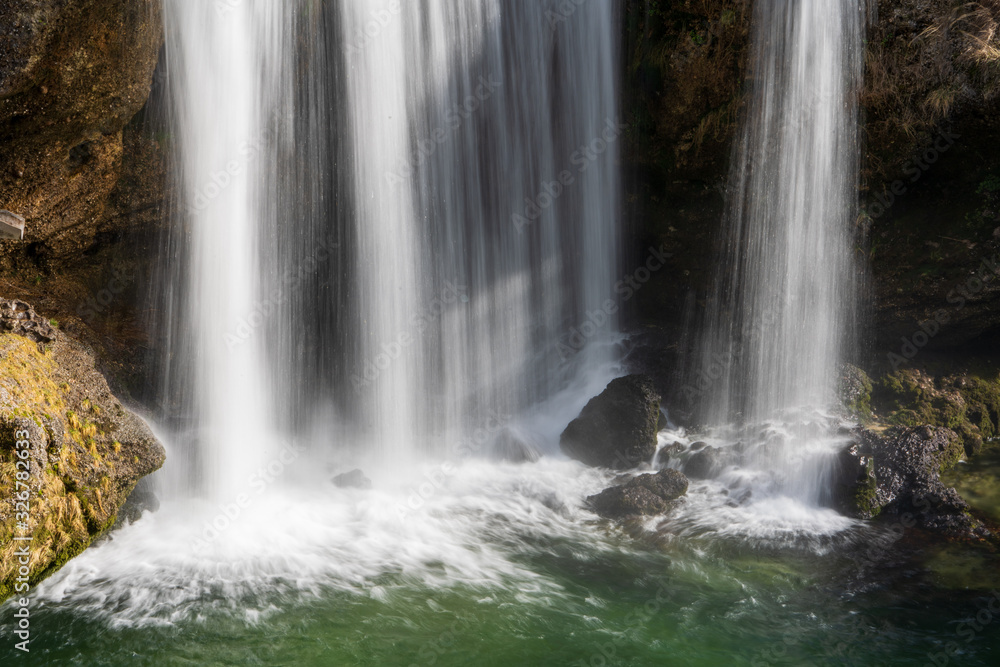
(86, 452)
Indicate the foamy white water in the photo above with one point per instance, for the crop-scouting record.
(443, 527)
(783, 313)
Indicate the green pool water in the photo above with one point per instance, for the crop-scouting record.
(554, 586)
(978, 481)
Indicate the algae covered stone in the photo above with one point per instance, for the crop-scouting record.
(84, 454)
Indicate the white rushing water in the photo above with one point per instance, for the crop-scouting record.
(225, 70)
(784, 308)
(477, 201)
(456, 164)
(400, 218)
(485, 137)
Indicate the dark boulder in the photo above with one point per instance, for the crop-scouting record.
(855, 488)
(354, 479)
(643, 495)
(616, 429)
(702, 463)
(668, 452)
(896, 475)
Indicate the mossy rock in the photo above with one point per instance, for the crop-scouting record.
(86, 454)
(856, 393)
(969, 403)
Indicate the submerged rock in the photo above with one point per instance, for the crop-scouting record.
(702, 463)
(643, 495)
(616, 429)
(355, 479)
(513, 447)
(896, 474)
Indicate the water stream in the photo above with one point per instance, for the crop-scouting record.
(399, 240)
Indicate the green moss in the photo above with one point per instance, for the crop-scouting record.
(69, 510)
(969, 404)
(856, 393)
(865, 496)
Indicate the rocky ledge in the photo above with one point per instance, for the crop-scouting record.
(895, 475)
(70, 453)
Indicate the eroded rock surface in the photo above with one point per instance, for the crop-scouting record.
(897, 473)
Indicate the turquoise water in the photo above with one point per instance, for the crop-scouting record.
(501, 566)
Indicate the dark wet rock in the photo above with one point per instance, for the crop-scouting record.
(856, 392)
(855, 487)
(20, 319)
(514, 447)
(142, 499)
(702, 463)
(355, 479)
(616, 429)
(896, 475)
(643, 495)
(668, 452)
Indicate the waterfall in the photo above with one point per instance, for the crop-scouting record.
(485, 222)
(396, 219)
(783, 310)
(226, 67)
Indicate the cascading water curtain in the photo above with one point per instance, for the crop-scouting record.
(228, 64)
(785, 302)
(397, 216)
(485, 140)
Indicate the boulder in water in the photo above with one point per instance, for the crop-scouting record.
(896, 475)
(354, 479)
(702, 463)
(616, 429)
(643, 495)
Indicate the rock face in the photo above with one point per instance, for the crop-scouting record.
(85, 451)
(19, 318)
(72, 74)
(643, 495)
(616, 429)
(968, 403)
(855, 389)
(897, 474)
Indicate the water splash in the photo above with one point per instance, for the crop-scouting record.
(783, 313)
